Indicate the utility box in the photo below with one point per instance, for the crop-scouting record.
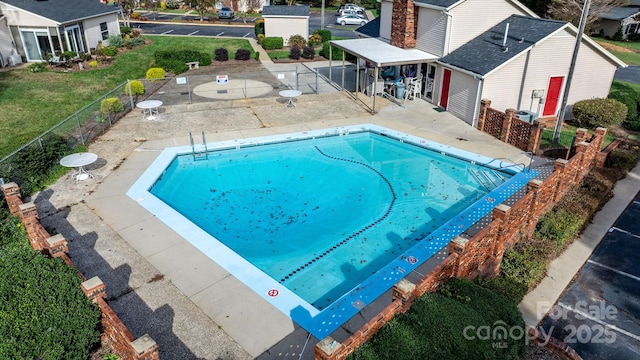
(526, 115)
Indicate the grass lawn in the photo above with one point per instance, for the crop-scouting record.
(627, 51)
(32, 103)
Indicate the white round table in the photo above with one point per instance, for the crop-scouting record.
(150, 106)
(290, 94)
(79, 161)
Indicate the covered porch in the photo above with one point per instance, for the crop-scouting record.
(383, 69)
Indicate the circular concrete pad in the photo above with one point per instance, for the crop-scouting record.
(233, 89)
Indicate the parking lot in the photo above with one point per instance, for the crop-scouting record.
(598, 314)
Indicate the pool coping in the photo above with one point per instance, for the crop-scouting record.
(320, 323)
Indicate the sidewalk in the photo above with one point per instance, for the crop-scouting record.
(562, 270)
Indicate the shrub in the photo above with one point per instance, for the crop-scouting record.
(260, 38)
(38, 296)
(597, 112)
(502, 285)
(272, 43)
(324, 34)
(115, 41)
(558, 226)
(37, 67)
(135, 16)
(336, 53)
(315, 40)
(242, 54)
(155, 74)
(182, 55)
(631, 102)
(85, 56)
(221, 54)
(133, 42)
(621, 158)
(137, 87)
(258, 27)
(68, 55)
(110, 50)
(173, 66)
(125, 30)
(618, 35)
(524, 265)
(458, 305)
(297, 41)
(295, 53)
(93, 63)
(308, 52)
(257, 55)
(111, 105)
(633, 37)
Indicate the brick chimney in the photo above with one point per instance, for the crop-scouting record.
(404, 20)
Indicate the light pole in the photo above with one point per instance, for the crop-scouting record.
(563, 108)
(322, 16)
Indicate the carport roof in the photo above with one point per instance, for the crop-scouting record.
(380, 53)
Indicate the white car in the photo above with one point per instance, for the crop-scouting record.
(350, 20)
(353, 12)
(349, 7)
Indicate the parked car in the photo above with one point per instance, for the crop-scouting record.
(350, 7)
(350, 20)
(353, 12)
(225, 13)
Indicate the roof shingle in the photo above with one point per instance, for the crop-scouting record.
(63, 11)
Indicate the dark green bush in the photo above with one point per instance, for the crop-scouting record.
(174, 66)
(257, 55)
(630, 100)
(622, 158)
(272, 43)
(295, 53)
(336, 53)
(125, 30)
(110, 51)
(597, 112)
(526, 262)
(633, 37)
(618, 35)
(221, 54)
(434, 327)
(308, 52)
(36, 166)
(182, 55)
(558, 226)
(133, 42)
(510, 289)
(45, 314)
(258, 27)
(324, 34)
(242, 54)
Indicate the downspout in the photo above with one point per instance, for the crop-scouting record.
(448, 32)
(476, 108)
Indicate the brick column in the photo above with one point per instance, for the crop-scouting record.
(29, 218)
(584, 163)
(601, 133)
(403, 24)
(12, 196)
(563, 182)
(94, 288)
(538, 204)
(457, 246)
(581, 135)
(501, 214)
(535, 135)
(506, 124)
(145, 348)
(482, 116)
(403, 292)
(327, 349)
(56, 245)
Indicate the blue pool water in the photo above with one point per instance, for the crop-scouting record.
(326, 217)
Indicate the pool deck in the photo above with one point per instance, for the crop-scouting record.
(157, 282)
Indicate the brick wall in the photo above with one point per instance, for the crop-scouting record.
(482, 254)
(114, 330)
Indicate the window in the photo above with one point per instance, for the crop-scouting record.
(104, 31)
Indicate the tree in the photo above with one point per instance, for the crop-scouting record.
(538, 6)
(202, 6)
(126, 9)
(571, 10)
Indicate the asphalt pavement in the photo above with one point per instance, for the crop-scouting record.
(630, 74)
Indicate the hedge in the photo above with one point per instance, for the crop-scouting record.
(597, 112)
(272, 43)
(45, 314)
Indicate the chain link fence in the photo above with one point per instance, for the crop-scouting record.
(37, 162)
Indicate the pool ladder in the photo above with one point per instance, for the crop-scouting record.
(200, 152)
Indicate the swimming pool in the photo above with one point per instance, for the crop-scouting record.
(321, 223)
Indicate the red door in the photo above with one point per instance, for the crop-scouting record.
(444, 97)
(553, 94)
